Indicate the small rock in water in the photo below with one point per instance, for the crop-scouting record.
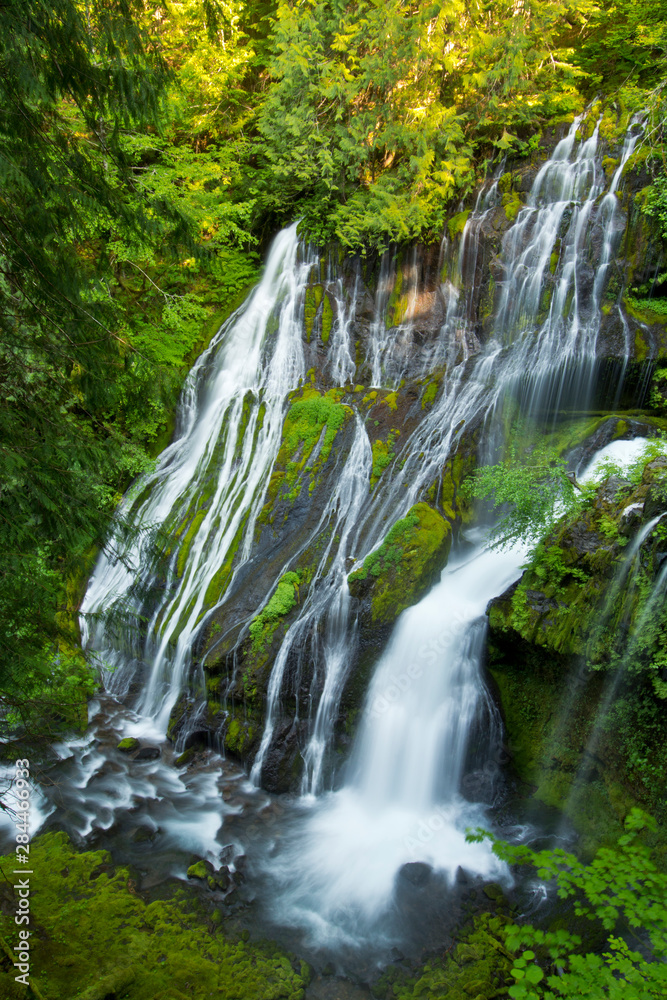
(185, 757)
(201, 869)
(221, 879)
(143, 834)
(417, 873)
(128, 744)
(147, 753)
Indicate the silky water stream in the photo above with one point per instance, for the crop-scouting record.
(372, 865)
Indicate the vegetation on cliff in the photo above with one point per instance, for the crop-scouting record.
(396, 574)
(577, 646)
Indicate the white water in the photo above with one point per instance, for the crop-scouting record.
(327, 602)
(401, 801)
(254, 362)
(247, 366)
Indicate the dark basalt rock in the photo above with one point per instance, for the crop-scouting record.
(147, 753)
(417, 873)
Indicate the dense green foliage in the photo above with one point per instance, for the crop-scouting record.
(534, 492)
(624, 893)
(607, 939)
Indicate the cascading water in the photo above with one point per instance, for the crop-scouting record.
(401, 803)
(230, 425)
(327, 602)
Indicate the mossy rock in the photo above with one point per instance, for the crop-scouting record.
(397, 574)
(200, 869)
(577, 613)
(128, 744)
(309, 429)
(240, 737)
(177, 718)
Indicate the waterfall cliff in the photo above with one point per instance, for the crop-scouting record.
(311, 489)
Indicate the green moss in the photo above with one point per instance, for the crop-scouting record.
(477, 967)
(187, 541)
(397, 572)
(310, 417)
(284, 598)
(164, 949)
(198, 870)
(649, 311)
(239, 737)
(547, 734)
(641, 347)
(383, 455)
(177, 713)
(638, 159)
(391, 400)
(128, 744)
(512, 204)
(457, 223)
(609, 165)
(222, 576)
(430, 392)
(312, 303)
(398, 302)
(327, 319)
(505, 183)
(452, 476)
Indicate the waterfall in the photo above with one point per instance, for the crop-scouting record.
(230, 422)
(210, 483)
(327, 602)
(401, 801)
(196, 524)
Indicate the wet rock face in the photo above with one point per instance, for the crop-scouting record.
(562, 593)
(406, 295)
(579, 636)
(397, 574)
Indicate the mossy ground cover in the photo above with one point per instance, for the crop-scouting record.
(478, 966)
(398, 571)
(94, 936)
(383, 455)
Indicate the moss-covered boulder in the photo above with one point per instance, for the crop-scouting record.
(399, 572)
(241, 736)
(128, 744)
